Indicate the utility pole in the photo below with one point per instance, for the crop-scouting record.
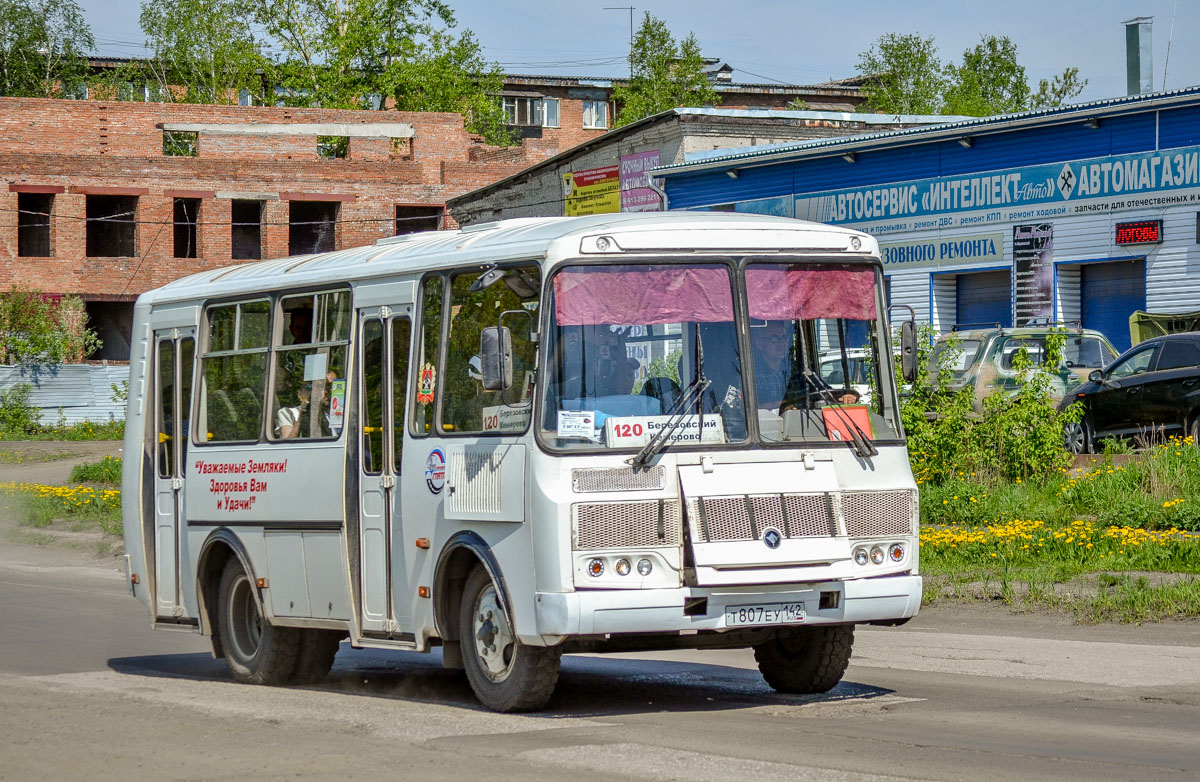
(628, 8)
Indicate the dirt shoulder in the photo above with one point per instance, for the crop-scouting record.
(50, 462)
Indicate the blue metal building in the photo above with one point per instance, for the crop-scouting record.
(1082, 213)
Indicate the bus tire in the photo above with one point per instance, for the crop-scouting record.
(317, 650)
(256, 651)
(806, 661)
(505, 674)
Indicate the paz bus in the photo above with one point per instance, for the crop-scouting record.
(522, 439)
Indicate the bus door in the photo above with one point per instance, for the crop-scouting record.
(175, 355)
(384, 343)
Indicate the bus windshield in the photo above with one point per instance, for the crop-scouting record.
(633, 346)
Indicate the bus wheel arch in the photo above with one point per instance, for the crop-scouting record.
(221, 546)
(463, 552)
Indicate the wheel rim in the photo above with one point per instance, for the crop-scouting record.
(245, 621)
(1073, 437)
(494, 641)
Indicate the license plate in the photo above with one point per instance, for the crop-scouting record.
(770, 614)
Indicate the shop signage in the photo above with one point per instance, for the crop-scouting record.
(980, 248)
(636, 193)
(1033, 270)
(1135, 181)
(591, 192)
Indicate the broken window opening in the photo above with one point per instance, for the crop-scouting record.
(181, 143)
(247, 230)
(33, 224)
(311, 226)
(333, 147)
(187, 217)
(111, 230)
(411, 219)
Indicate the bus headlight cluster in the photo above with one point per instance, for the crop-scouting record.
(622, 567)
(876, 555)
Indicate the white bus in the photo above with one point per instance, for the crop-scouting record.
(522, 439)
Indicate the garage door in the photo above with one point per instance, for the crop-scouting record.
(1109, 293)
(984, 298)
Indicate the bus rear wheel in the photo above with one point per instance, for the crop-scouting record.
(806, 660)
(505, 674)
(256, 651)
(315, 659)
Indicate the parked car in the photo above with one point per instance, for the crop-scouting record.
(984, 360)
(1152, 387)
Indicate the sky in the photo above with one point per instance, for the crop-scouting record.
(794, 41)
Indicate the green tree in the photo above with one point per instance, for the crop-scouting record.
(665, 74)
(40, 329)
(43, 48)
(907, 75)
(344, 53)
(205, 48)
(1060, 90)
(989, 80)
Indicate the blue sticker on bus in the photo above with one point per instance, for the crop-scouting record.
(435, 471)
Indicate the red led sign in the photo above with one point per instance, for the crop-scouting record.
(1140, 232)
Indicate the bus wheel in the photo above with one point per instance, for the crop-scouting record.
(256, 651)
(807, 660)
(505, 674)
(317, 650)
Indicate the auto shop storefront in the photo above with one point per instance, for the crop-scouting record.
(1077, 215)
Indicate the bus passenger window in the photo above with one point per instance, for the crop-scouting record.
(426, 359)
(234, 375)
(466, 406)
(308, 397)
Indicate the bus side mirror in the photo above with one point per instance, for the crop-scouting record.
(496, 359)
(908, 351)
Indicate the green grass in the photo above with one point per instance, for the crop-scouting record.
(23, 457)
(107, 470)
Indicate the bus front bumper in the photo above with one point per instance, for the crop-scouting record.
(608, 611)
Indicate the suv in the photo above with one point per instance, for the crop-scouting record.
(985, 358)
(1152, 387)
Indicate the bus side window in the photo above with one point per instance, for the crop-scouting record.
(234, 375)
(308, 393)
(426, 359)
(401, 344)
(466, 406)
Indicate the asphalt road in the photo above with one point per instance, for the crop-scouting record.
(88, 691)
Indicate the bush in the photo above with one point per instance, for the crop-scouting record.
(17, 417)
(36, 327)
(107, 470)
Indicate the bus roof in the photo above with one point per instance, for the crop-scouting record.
(520, 238)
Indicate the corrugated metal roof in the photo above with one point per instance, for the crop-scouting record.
(953, 127)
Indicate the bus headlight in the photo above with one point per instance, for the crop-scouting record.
(595, 567)
(622, 567)
(877, 555)
(860, 557)
(644, 567)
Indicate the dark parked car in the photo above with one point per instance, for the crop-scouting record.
(1152, 387)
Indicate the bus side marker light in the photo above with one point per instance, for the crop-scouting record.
(422, 542)
(423, 591)
(595, 567)
(262, 583)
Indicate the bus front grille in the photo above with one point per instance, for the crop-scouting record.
(601, 525)
(746, 517)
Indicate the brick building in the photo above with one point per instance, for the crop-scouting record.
(107, 199)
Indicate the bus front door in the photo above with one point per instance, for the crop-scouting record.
(175, 354)
(383, 377)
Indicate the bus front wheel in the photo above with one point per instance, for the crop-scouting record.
(256, 651)
(807, 660)
(505, 674)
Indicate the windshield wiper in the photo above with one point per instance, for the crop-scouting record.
(862, 444)
(678, 411)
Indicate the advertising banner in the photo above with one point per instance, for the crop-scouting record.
(1095, 185)
(1033, 271)
(636, 194)
(592, 192)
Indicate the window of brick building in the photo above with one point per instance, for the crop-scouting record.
(333, 147)
(181, 143)
(595, 114)
(187, 217)
(111, 230)
(550, 112)
(33, 224)
(411, 219)
(522, 111)
(311, 226)
(246, 234)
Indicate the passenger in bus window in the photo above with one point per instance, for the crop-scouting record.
(300, 326)
(288, 420)
(613, 371)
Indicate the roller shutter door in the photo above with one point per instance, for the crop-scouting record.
(1109, 293)
(984, 298)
